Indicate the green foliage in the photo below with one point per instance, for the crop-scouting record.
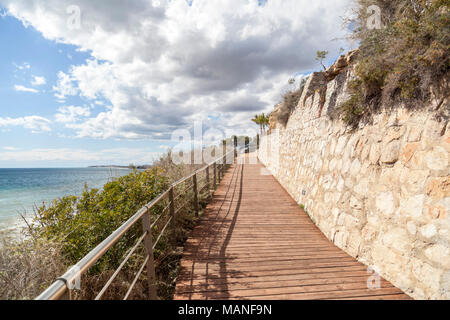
(406, 60)
(81, 223)
(262, 120)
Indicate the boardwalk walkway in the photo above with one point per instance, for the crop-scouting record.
(254, 242)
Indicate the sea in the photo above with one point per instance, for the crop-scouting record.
(23, 189)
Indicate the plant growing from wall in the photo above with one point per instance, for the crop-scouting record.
(321, 56)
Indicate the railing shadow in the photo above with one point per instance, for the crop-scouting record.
(223, 249)
(231, 198)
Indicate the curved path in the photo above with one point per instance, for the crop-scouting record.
(254, 242)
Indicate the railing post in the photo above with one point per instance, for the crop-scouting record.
(172, 205)
(224, 163)
(194, 178)
(148, 243)
(207, 179)
(215, 176)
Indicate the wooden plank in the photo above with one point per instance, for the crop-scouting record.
(225, 286)
(254, 242)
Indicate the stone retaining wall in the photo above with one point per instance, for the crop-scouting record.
(381, 192)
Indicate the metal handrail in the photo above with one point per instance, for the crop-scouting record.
(61, 288)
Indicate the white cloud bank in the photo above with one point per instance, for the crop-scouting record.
(71, 114)
(25, 89)
(122, 156)
(34, 123)
(163, 66)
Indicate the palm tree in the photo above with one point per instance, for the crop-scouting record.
(262, 120)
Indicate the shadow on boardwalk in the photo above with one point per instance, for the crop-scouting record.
(254, 242)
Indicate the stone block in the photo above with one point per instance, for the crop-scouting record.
(428, 231)
(356, 204)
(428, 276)
(411, 227)
(434, 130)
(408, 152)
(385, 204)
(412, 207)
(437, 159)
(391, 153)
(413, 180)
(439, 254)
(397, 239)
(438, 188)
(355, 167)
(394, 133)
(415, 133)
(362, 187)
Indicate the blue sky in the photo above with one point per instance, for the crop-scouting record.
(30, 55)
(114, 89)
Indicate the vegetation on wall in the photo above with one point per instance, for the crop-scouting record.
(290, 101)
(407, 59)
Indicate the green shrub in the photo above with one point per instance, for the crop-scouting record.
(81, 223)
(406, 60)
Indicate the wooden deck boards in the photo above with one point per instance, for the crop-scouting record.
(254, 242)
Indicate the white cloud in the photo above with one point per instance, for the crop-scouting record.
(38, 81)
(34, 123)
(162, 67)
(65, 86)
(25, 89)
(106, 156)
(10, 148)
(71, 114)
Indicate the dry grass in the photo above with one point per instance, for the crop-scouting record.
(289, 103)
(27, 267)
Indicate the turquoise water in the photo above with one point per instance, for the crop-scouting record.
(21, 189)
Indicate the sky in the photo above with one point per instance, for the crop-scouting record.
(112, 82)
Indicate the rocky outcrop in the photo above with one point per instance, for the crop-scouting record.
(342, 63)
(381, 192)
(317, 86)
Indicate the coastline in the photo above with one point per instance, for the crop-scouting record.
(22, 189)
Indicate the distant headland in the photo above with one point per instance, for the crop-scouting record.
(142, 167)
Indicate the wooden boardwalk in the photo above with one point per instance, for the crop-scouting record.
(254, 242)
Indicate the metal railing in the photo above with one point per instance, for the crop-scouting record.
(62, 288)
